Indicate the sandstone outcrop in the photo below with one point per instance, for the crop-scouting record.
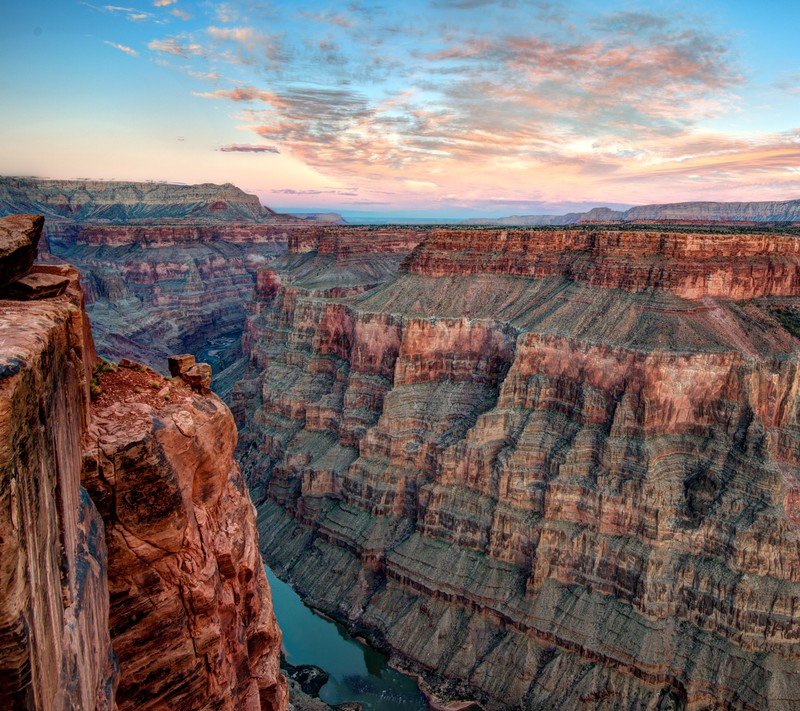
(191, 616)
(158, 568)
(19, 239)
(545, 473)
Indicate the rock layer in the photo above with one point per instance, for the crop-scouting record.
(547, 473)
(166, 268)
(117, 201)
(679, 212)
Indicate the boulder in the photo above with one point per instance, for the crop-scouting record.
(36, 286)
(198, 377)
(19, 240)
(179, 363)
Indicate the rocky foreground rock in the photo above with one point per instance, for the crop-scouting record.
(150, 592)
(546, 471)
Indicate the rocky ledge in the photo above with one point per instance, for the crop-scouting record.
(543, 471)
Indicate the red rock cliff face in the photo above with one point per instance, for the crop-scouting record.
(166, 268)
(191, 615)
(55, 650)
(732, 266)
(547, 475)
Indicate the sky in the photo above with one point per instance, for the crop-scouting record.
(423, 108)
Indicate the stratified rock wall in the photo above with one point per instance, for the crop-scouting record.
(166, 268)
(55, 650)
(547, 474)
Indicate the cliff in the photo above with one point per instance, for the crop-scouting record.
(545, 473)
(125, 530)
(191, 617)
(679, 212)
(55, 650)
(166, 268)
(115, 202)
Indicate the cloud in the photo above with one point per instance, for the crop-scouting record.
(163, 3)
(790, 84)
(178, 46)
(131, 14)
(484, 93)
(330, 18)
(471, 4)
(339, 192)
(122, 48)
(241, 93)
(242, 148)
(180, 14)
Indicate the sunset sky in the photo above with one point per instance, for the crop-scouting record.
(449, 108)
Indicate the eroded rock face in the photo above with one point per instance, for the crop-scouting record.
(731, 266)
(191, 615)
(119, 201)
(544, 474)
(55, 650)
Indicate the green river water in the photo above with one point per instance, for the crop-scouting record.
(357, 672)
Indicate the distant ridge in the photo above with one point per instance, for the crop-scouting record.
(125, 202)
(784, 211)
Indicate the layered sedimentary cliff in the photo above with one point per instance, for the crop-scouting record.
(191, 618)
(126, 532)
(55, 649)
(546, 471)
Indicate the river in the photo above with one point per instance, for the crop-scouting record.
(357, 672)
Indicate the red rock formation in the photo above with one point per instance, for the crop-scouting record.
(191, 616)
(557, 470)
(68, 235)
(55, 651)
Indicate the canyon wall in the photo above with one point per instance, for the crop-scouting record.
(544, 471)
(122, 201)
(129, 559)
(55, 649)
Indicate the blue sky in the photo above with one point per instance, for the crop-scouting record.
(440, 108)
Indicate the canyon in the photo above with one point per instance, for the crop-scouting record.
(542, 469)
(165, 268)
(129, 558)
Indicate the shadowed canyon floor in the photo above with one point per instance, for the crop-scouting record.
(545, 469)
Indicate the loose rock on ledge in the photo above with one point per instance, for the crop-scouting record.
(19, 240)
